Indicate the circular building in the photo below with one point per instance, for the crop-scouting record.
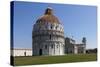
(48, 35)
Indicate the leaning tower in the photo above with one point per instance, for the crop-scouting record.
(48, 35)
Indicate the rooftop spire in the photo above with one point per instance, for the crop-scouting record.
(48, 11)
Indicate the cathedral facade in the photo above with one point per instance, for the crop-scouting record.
(48, 35)
(71, 47)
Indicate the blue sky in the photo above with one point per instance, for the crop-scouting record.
(78, 21)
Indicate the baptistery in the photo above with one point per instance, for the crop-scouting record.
(48, 35)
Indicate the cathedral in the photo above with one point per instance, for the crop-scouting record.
(71, 47)
(48, 35)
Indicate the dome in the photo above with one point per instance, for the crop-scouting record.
(48, 17)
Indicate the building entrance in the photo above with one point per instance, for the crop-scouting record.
(40, 52)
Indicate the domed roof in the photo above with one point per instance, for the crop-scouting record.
(48, 17)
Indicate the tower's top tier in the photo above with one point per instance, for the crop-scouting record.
(48, 17)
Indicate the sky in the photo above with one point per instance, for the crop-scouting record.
(78, 21)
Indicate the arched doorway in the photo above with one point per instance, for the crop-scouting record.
(24, 53)
(40, 52)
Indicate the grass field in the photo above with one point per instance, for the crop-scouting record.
(33, 60)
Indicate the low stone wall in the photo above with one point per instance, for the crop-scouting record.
(21, 52)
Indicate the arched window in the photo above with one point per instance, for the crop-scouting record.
(39, 27)
(45, 46)
(50, 36)
(51, 26)
(52, 46)
(57, 46)
(56, 27)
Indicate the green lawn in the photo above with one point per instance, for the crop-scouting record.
(33, 60)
